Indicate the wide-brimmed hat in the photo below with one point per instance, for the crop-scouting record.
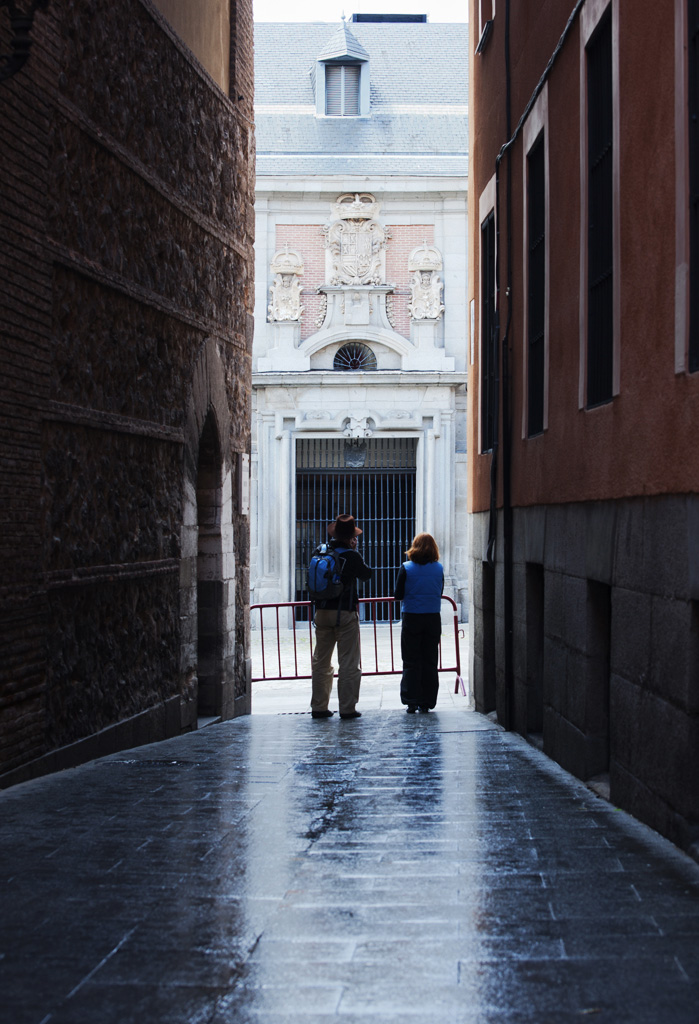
(344, 526)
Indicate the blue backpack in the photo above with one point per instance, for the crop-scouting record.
(325, 573)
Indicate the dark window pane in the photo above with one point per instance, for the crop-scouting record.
(489, 341)
(536, 213)
(693, 113)
(600, 239)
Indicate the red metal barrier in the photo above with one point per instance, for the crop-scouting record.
(276, 670)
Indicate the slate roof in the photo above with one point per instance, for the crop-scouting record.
(419, 97)
(343, 44)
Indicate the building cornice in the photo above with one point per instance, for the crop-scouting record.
(277, 185)
(356, 378)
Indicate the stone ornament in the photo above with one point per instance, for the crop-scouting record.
(356, 240)
(285, 293)
(425, 285)
(357, 427)
(322, 311)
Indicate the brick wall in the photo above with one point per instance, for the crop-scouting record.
(308, 239)
(404, 238)
(127, 205)
(25, 323)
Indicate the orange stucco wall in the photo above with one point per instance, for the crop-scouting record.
(644, 441)
(205, 26)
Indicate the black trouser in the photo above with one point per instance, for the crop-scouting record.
(419, 647)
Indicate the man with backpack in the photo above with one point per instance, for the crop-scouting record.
(336, 618)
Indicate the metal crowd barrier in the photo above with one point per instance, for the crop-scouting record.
(272, 667)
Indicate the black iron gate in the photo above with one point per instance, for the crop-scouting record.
(372, 479)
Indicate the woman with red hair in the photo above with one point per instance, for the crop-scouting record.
(419, 586)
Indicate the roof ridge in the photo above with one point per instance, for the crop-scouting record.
(343, 43)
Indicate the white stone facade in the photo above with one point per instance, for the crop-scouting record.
(361, 328)
(417, 390)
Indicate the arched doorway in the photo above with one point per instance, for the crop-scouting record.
(210, 586)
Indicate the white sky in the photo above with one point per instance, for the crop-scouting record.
(332, 10)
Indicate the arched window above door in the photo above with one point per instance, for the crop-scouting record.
(354, 356)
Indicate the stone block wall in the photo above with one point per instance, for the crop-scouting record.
(128, 321)
(606, 658)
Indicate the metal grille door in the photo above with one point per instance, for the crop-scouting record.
(373, 480)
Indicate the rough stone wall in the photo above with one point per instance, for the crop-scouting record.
(25, 324)
(129, 219)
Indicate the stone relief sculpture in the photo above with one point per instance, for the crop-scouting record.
(425, 285)
(358, 426)
(322, 311)
(356, 241)
(285, 293)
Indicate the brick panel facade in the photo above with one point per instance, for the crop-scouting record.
(404, 238)
(308, 240)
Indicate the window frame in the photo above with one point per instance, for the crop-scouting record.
(682, 186)
(355, 80)
(363, 107)
(536, 128)
(486, 209)
(591, 15)
(486, 12)
(690, 192)
(358, 352)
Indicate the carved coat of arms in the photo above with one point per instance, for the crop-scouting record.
(356, 241)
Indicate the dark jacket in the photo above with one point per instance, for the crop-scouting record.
(355, 568)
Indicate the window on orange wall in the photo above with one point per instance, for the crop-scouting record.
(600, 226)
(693, 112)
(489, 341)
(536, 278)
(487, 10)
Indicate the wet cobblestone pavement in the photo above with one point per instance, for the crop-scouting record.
(396, 868)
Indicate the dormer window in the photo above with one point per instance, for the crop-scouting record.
(342, 90)
(341, 77)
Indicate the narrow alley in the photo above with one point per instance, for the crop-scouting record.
(394, 868)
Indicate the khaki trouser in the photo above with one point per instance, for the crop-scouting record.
(344, 633)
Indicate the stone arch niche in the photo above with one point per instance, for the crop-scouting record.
(214, 669)
(210, 585)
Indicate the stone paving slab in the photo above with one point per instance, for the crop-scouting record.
(394, 868)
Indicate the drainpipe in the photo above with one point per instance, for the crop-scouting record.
(506, 401)
(505, 381)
